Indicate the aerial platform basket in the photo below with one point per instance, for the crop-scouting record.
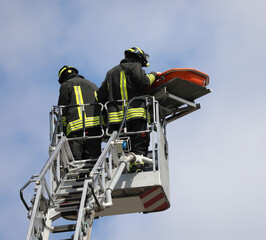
(146, 191)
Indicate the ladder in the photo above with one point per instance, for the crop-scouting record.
(67, 189)
(76, 192)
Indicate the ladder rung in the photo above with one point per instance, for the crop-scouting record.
(85, 161)
(65, 194)
(74, 180)
(69, 204)
(67, 209)
(72, 186)
(64, 228)
(72, 214)
(81, 172)
(66, 199)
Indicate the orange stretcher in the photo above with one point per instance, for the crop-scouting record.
(189, 74)
(179, 87)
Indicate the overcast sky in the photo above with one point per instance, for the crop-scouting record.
(217, 154)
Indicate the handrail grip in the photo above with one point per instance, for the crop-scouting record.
(22, 189)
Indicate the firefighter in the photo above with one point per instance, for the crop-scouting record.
(76, 90)
(124, 82)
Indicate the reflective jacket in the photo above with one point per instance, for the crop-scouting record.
(77, 90)
(124, 82)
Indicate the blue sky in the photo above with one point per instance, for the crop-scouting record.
(217, 154)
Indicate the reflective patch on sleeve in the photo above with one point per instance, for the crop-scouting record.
(151, 77)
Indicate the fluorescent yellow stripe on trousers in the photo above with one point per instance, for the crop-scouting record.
(78, 124)
(115, 117)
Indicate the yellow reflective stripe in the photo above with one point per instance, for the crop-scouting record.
(131, 113)
(79, 100)
(123, 86)
(136, 113)
(132, 50)
(59, 75)
(116, 116)
(152, 78)
(64, 121)
(73, 127)
(139, 49)
(78, 124)
(96, 95)
(89, 119)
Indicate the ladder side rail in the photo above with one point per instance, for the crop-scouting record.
(51, 121)
(55, 168)
(104, 176)
(56, 125)
(101, 172)
(101, 183)
(48, 226)
(54, 174)
(31, 233)
(48, 191)
(103, 154)
(66, 156)
(108, 169)
(78, 231)
(54, 178)
(58, 160)
(98, 188)
(99, 180)
(51, 159)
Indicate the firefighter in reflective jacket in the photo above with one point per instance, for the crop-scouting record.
(76, 90)
(124, 82)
